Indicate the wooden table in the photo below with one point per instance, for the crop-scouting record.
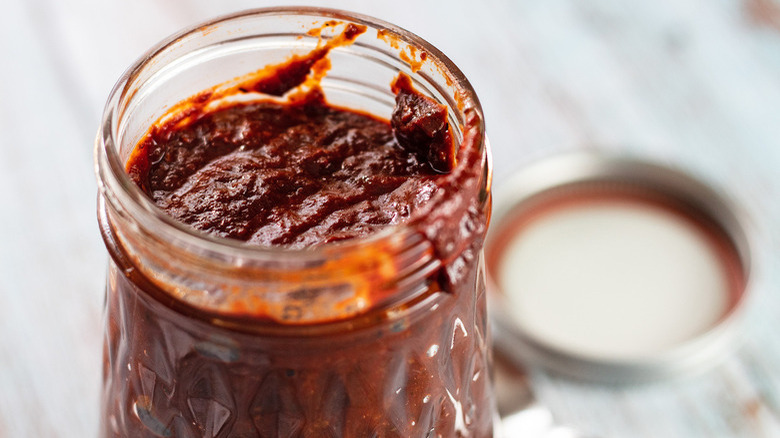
(695, 83)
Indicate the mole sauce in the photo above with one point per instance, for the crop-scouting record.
(296, 175)
(301, 174)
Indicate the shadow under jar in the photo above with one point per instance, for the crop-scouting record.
(378, 336)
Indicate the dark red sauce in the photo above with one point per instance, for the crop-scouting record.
(297, 174)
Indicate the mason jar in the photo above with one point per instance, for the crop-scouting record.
(381, 336)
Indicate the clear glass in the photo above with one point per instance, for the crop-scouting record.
(378, 336)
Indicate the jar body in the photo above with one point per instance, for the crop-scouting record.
(378, 337)
(168, 374)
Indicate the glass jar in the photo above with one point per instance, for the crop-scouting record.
(377, 336)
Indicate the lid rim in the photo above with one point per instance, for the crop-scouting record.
(695, 353)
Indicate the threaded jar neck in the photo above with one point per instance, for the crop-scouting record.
(228, 280)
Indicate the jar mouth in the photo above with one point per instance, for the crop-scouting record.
(120, 191)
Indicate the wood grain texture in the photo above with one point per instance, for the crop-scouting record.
(695, 83)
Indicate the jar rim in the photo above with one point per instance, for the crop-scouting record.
(116, 185)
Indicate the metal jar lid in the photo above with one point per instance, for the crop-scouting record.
(578, 180)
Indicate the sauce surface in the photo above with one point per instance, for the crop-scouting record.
(296, 174)
(283, 174)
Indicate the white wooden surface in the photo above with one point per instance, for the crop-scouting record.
(691, 82)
